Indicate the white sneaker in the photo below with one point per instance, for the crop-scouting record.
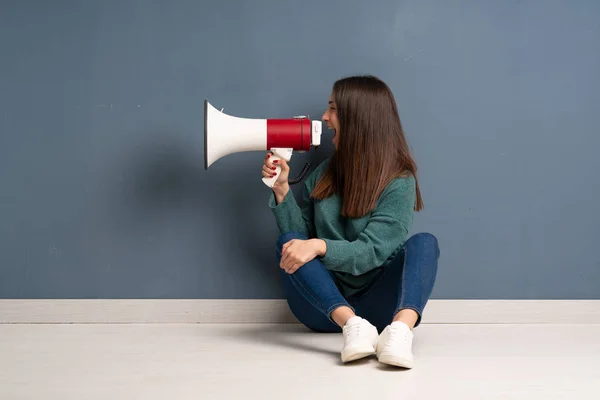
(360, 339)
(395, 345)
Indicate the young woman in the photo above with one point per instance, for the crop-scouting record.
(345, 257)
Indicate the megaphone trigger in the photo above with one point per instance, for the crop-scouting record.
(278, 154)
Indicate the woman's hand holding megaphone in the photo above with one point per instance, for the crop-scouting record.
(270, 169)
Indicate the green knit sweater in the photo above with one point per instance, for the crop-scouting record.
(356, 248)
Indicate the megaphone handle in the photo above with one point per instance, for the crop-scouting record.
(278, 154)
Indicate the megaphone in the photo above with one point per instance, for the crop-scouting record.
(225, 134)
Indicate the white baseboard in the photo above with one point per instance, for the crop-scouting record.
(276, 311)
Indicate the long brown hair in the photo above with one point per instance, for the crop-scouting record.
(372, 149)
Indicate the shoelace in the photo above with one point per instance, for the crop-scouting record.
(352, 331)
(395, 337)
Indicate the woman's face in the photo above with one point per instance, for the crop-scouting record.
(331, 119)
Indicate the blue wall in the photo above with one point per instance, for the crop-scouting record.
(103, 192)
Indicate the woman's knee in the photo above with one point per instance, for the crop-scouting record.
(288, 236)
(425, 241)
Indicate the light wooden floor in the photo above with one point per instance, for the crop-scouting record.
(191, 361)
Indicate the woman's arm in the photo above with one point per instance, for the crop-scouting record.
(290, 217)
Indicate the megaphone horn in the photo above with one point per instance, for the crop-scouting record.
(225, 134)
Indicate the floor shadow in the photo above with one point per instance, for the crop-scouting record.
(283, 336)
(391, 368)
(357, 363)
(291, 337)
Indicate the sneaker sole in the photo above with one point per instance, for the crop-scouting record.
(395, 361)
(356, 353)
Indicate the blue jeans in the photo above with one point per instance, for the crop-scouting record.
(405, 283)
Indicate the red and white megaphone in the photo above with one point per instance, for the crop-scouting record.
(224, 134)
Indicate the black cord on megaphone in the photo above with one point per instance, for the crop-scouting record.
(301, 176)
(304, 171)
